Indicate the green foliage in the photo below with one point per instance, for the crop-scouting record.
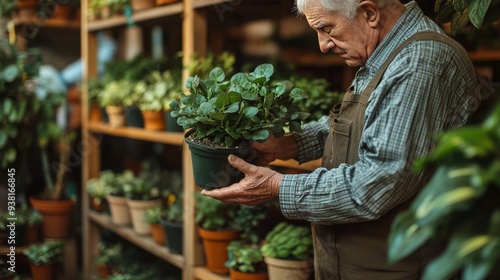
(460, 12)
(117, 93)
(99, 188)
(7, 8)
(461, 202)
(157, 91)
(245, 258)
(5, 273)
(287, 241)
(174, 212)
(249, 217)
(201, 66)
(45, 253)
(108, 254)
(246, 107)
(27, 120)
(24, 216)
(212, 214)
(152, 215)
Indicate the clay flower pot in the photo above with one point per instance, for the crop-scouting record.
(57, 217)
(215, 247)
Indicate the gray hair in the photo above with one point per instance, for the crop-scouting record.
(347, 8)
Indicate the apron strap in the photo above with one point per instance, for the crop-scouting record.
(423, 35)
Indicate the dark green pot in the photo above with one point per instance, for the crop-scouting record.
(173, 235)
(210, 166)
(134, 117)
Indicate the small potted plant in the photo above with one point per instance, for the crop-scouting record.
(288, 252)
(153, 93)
(246, 261)
(98, 189)
(105, 258)
(217, 228)
(115, 97)
(117, 202)
(43, 259)
(152, 217)
(172, 222)
(225, 116)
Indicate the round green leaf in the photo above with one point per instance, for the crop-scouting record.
(217, 75)
(10, 73)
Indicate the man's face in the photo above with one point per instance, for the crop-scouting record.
(349, 39)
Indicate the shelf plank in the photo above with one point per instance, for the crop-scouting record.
(485, 55)
(145, 242)
(171, 138)
(205, 3)
(149, 14)
(48, 23)
(205, 274)
(306, 166)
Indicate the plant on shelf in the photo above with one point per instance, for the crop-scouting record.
(157, 90)
(202, 65)
(460, 203)
(106, 258)
(117, 202)
(115, 97)
(152, 216)
(43, 258)
(98, 189)
(246, 259)
(288, 247)
(225, 116)
(172, 222)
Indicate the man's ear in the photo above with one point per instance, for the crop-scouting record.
(370, 12)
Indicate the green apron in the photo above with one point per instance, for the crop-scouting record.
(359, 250)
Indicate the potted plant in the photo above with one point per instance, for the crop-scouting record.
(224, 116)
(43, 259)
(154, 92)
(459, 204)
(152, 217)
(246, 261)
(117, 202)
(105, 258)
(172, 222)
(217, 228)
(98, 189)
(115, 97)
(288, 252)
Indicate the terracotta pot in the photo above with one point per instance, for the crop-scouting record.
(57, 217)
(154, 120)
(158, 234)
(138, 210)
(215, 247)
(120, 215)
(138, 5)
(27, 9)
(43, 272)
(99, 207)
(116, 115)
(95, 114)
(103, 270)
(279, 269)
(236, 275)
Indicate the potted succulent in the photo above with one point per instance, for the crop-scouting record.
(98, 189)
(152, 217)
(43, 259)
(172, 222)
(157, 90)
(225, 116)
(288, 252)
(246, 261)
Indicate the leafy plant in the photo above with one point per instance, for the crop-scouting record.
(212, 214)
(117, 93)
(107, 253)
(117, 182)
(245, 258)
(287, 241)
(462, 12)
(152, 215)
(99, 188)
(174, 210)
(201, 66)
(249, 218)
(156, 91)
(45, 253)
(248, 107)
(460, 202)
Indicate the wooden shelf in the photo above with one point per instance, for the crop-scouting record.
(485, 55)
(171, 138)
(145, 242)
(205, 274)
(205, 3)
(49, 23)
(5, 249)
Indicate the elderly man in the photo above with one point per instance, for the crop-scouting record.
(413, 82)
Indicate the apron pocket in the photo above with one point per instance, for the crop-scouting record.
(341, 137)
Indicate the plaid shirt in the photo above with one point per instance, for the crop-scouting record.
(428, 88)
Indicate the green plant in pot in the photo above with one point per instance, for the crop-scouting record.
(43, 259)
(106, 258)
(117, 202)
(225, 116)
(246, 259)
(115, 97)
(98, 189)
(288, 251)
(153, 217)
(172, 222)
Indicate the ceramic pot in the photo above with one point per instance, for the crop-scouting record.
(120, 215)
(215, 247)
(236, 275)
(138, 5)
(57, 217)
(138, 210)
(154, 120)
(279, 269)
(43, 272)
(158, 234)
(116, 115)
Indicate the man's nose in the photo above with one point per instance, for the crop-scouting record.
(325, 42)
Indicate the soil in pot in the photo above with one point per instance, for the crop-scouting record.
(210, 166)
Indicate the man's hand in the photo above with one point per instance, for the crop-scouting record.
(259, 185)
(275, 148)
